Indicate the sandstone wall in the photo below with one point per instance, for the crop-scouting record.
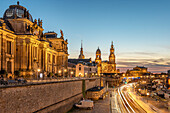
(55, 97)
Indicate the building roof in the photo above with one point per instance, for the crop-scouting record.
(71, 65)
(98, 88)
(98, 51)
(76, 61)
(141, 67)
(17, 11)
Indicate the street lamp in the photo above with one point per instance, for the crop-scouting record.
(65, 70)
(147, 96)
(38, 70)
(72, 73)
(59, 72)
(85, 74)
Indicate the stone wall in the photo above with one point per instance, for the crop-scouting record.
(47, 97)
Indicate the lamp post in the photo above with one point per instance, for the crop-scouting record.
(147, 96)
(71, 73)
(65, 71)
(38, 70)
(59, 72)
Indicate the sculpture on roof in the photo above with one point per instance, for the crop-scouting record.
(61, 33)
(39, 22)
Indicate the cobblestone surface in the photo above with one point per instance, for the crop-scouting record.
(100, 106)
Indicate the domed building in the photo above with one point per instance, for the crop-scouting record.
(106, 67)
(25, 48)
(17, 11)
(98, 56)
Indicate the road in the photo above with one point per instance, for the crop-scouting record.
(128, 102)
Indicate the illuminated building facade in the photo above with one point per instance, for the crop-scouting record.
(138, 71)
(106, 67)
(24, 47)
(84, 67)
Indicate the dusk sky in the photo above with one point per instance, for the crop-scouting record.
(139, 29)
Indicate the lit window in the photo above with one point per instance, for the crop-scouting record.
(9, 13)
(8, 47)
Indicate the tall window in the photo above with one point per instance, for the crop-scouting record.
(79, 68)
(20, 13)
(36, 52)
(53, 58)
(9, 67)
(49, 57)
(8, 47)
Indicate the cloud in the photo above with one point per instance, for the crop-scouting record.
(154, 65)
(137, 53)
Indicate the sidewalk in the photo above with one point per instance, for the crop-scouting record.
(113, 101)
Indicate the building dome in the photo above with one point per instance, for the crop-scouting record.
(98, 51)
(17, 11)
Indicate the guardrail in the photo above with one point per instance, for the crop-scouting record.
(46, 81)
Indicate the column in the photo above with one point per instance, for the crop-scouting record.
(23, 56)
(0, 49)
(29, 56)
(3, 52)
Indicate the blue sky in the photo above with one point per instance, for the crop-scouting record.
(140, 29)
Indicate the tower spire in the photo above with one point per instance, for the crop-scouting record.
(112, 45)
(112, 56)
(81, 56)
(81, 43)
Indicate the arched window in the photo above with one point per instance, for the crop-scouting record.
(9, 67)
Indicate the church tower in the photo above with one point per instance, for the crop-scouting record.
(112, 55)
(98, 56)
(98, 61)
(81, 56)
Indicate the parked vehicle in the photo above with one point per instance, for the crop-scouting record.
(12, 82)
(3, 82)
(88, 104)
(22, 81)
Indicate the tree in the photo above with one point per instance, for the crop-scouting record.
(50, 74)
(17, 73)
(3, 72)
(56, 74)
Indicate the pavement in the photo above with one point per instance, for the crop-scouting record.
(100, 106)
(115, 108)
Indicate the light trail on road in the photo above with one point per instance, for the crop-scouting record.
(130, 105)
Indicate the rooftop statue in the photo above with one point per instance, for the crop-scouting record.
(61, 33)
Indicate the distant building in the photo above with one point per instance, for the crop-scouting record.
(106, 67)
(168, 72)
(138, 71)
(24, 47)
(81, 56)
(84, 67)
(71, 69)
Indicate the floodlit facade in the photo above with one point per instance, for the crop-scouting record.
(25, 48)
(106, 67)
(138, 71)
